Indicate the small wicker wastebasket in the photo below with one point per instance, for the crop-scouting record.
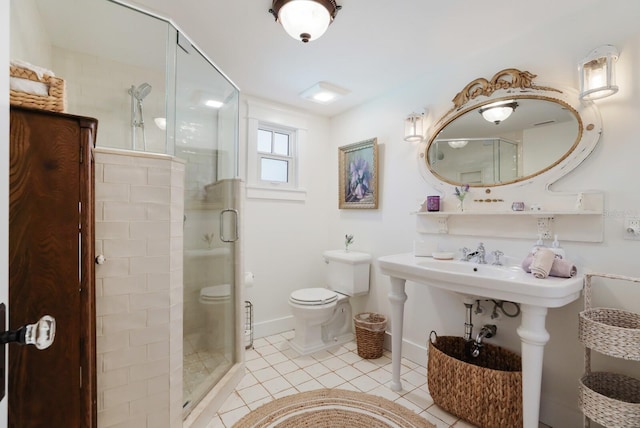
(486, 390)
(370, 334)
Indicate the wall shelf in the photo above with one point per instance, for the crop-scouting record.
(571, 225)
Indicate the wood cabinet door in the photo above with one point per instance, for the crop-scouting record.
(51, 268)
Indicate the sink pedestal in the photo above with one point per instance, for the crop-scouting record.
(397, 297)
(533, 337)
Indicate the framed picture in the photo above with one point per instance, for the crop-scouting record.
(358, 175)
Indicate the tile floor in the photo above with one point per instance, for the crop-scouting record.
(274, 370)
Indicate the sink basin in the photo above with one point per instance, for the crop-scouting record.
(509, 283)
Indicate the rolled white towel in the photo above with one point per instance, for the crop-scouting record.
(40, 71)
(542, 262)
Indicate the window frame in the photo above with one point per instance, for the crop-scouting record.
(291, 158)
(261, 114)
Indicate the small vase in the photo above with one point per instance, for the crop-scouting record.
(461, 205)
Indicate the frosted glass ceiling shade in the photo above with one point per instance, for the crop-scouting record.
(597, 73)
(497, 112)
(304, 20)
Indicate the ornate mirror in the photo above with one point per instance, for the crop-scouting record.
(508, 130)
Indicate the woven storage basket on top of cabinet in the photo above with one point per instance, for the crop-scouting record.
(486, 391)
(610, 399)
(52, 102)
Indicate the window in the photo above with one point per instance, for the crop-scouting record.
(276, 161)
(275, 141)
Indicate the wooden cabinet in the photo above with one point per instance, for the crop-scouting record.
(51, 268)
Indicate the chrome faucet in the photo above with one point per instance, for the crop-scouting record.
(487, 332)
(479, 254)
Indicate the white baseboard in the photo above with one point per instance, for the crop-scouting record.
(271, 327)
(413, 352)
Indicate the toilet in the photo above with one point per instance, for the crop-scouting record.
(322, 316)
(215, 299)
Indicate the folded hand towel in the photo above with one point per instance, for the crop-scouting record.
(563, 268)
(542, 262)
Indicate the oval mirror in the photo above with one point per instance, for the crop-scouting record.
(504, 130)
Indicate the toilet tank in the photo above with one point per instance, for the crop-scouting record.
(347, 272)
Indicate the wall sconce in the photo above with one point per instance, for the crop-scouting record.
(499, 111)
(414, 128)
(597, 73)
(304, 19)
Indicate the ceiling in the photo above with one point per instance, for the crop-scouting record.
(373, 46)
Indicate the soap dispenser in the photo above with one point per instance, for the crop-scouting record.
(539, 244)
(556, 248)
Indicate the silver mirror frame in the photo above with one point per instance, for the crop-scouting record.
(512, 83)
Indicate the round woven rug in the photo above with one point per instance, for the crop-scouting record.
(331, 408)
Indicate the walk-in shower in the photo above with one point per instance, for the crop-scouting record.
(138, 94)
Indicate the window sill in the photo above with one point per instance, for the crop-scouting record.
(256, 192)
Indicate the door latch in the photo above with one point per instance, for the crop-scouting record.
(41, 335)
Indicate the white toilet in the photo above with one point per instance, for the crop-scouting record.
(215, 299)
(322, 316)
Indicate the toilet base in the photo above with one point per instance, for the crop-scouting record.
(322, 346)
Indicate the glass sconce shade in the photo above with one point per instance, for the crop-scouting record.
(413, 128)
(304, 19)
(497, 112)
(597, 73)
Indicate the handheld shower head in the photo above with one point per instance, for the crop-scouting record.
(142, 91)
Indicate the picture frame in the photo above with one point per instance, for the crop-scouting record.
(358, 175)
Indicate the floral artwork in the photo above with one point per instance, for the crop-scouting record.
(358, 175)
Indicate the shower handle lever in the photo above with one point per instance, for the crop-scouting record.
(236, 236)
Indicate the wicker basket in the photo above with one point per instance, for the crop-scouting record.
(485, 391)
(370, 329)
(53, 102)
(610, 399)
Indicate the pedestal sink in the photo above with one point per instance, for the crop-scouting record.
(485, 281)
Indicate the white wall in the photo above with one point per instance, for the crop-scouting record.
(610, 168)
(284, 240)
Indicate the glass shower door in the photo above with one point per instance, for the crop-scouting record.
(206, 113)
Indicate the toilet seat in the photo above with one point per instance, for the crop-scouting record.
(313, 297)
(215, 293)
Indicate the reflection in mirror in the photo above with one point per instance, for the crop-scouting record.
(505, 138)
(535, 136)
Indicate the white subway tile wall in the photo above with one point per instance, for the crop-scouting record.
(139, 297)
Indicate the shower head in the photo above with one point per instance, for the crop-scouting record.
(141, 91)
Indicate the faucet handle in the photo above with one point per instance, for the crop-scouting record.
(465, 252)
(497, 254)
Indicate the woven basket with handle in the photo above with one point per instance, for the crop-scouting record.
(52, 102)
(486, 390)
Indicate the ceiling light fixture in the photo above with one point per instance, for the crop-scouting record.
(597, 73)
(498, 111)
(457, 144)
(414, 128)
(324, 93)
(304, 19)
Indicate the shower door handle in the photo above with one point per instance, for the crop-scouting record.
(223, 215)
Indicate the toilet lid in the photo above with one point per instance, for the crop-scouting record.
(216, 291)
(313, 296)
